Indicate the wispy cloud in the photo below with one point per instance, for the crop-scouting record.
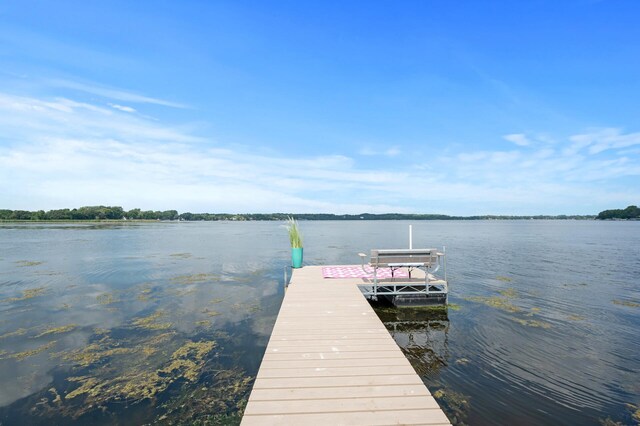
(122, 108)
(112, 93)
(61, 152)
(389, 152)
(604, 139)
(518, 139)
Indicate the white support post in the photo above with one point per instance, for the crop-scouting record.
(410, 237)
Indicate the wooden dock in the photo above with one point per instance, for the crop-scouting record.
(330, 360)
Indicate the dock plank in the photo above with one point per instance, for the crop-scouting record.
(330, 360)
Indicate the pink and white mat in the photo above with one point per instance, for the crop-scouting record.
(355, 271)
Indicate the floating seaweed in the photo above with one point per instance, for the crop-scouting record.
(18, 332)
(628, 303)
(194, 278)
(106, 299)
(27, 294)
(504, 279)
(137, 381)
(144, 294)
(574, 317)
(26, 263)
(222, 402)
(26, 354)
(495, 302)
(181, 255)
(455, 404)
(531, 323)
(150, 322)
(635, 411)
(57, 330)
(509, 293)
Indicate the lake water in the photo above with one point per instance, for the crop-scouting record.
(168, 322)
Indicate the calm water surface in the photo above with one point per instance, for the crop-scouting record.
(167, 322)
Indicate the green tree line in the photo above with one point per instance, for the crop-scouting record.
(631, 212)
(118, 213)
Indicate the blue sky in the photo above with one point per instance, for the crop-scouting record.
(470, 107)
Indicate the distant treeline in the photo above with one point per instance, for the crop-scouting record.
(118, 213)
(631, 212)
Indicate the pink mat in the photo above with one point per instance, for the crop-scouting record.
(357, 272)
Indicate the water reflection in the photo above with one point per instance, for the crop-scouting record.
(536, 333)
(113, 330)
(422, 333)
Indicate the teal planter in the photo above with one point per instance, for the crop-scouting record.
(296, 257)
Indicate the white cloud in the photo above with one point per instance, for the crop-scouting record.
(122, 108)
(600, 140)
(389, 152)
(112, 93)
(518, 139)
(62, 153)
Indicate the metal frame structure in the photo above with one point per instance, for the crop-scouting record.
(429, 261)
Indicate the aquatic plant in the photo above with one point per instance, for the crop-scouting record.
(504, 279)
(509, 293)
(573, 317)
(628, 303)
(194, 278)
(455, 404)
(150, 322)
(18, 332)
(181, 255)
(27, 294)
(635, 411)
(25, 263)
(57, 330)
(495, 302)
(295, 237)
(26, 354)
(531, 323)
(143, 376)
(106, 299)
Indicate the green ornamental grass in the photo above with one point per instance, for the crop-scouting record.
(294, 233)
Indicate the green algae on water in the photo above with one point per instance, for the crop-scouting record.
(26, 354)
(26, 263)
(574, 317)
(495, 302)
(27, 294)
(509, 293)
(18, 332)
(455, 403)
(150, 322)
(627, 303)
(57, 330)
(106, 299)
(531, 323)
(504, 279)
(194, 278)
(181, 255)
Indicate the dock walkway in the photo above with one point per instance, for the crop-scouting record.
(330, 360)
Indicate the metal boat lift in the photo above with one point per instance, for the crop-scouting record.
(422, 285)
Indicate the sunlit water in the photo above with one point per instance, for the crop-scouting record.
(168, 322)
